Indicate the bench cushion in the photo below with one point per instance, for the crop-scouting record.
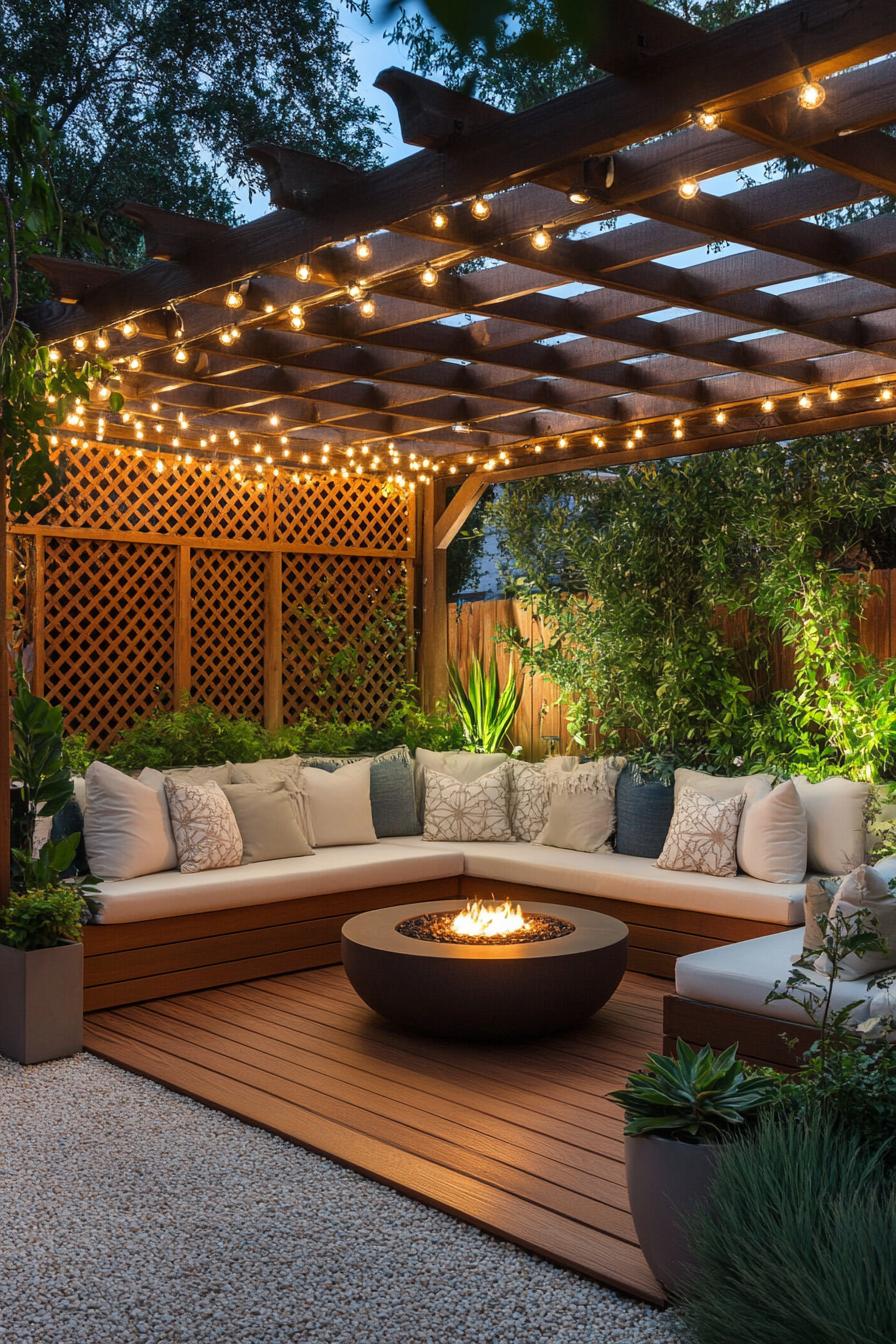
(740, 976)
(336, 869)
(625, 877)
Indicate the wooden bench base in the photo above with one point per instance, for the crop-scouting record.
(760, 1039)
(155, 958)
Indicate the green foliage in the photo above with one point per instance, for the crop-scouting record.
(43, 917)
(661, 588)
(695, 1096)
(193, 734)
(41, 773)
(796, 1241)
(486, 710)
(77, 752)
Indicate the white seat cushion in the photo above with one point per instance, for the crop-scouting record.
(339, 868)
(625, 877)
(741, 975)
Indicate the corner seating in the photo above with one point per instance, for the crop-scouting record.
(170, 933)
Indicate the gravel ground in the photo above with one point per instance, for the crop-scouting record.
(130, 1215)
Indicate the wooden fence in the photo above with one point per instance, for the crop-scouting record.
(472, 627)
(138, 588)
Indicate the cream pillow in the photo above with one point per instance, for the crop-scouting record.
(582, 813)
(529, 798)
(127, 831)
(721, 787)
(200, 774)
(266, 772)
(339, 805)
(476, 809)
(865, 888)
(702, 835)
(205, 829)
(771, 841)
(463, 765)
(271, 820)
(835, 815)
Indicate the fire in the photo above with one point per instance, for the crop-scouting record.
(488, 919)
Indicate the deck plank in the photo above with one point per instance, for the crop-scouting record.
(517, 1139)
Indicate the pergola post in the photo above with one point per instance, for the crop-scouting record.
(432, 660)
(5, 754)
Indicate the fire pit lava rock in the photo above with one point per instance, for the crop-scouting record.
(411, 965)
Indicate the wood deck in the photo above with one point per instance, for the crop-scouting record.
(519, 1140)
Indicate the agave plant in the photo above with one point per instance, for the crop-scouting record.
(485, 710)
(699, 1095)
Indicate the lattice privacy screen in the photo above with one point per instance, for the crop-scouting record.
(127, 594)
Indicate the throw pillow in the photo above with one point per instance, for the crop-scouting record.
(703, 835)
(865, 888)
(529, 799)
(644, 810)
(268, 771)
(817, 901)
(393, 798)
(127, 832)
(771, 842)
(721, 787)
(201, 774)
(475, 809)
(835, 817)
(339, 805)
(205, 829)
(462, 765)
(582, 812)
(271, 820)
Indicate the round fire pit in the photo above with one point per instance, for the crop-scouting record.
(408, 964)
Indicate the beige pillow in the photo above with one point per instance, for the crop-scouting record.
(867, 889)
(271, 819)
(200, 774)
(127, 832)
(266, 772)
(582, 813)
(205, 829)
(721, 787)
(835, 816)
(529, 799)
(475, 809)
(702, 835)
(771, 841)
(817, 901)
(463, 765)
(339, 805)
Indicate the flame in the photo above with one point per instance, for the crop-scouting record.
(488, 919)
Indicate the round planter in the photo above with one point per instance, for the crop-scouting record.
(668, 1180)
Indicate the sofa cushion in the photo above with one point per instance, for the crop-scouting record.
(393, 799)
(529, 798)
(205, 830)
(342, 868)
(865, 891)
(741, 975)
(771, 842)
(127, 830)
(721, 787)
(463, 765)
(339, 805)
(272, 820)
(200, 774)
(644, 810)
(474, 810)
(835, 816)
(267, 771)
(702, 836)
(582, 812)
(623, 877)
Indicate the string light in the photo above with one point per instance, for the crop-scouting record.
(135, 363)
(886, 394)
(355, 290)
(273, 421)
(101, 340)
(563, 441)
(721, 417)
(303, 271)
(833, 393)
(54, 355)
(438, 218)
(678, 432)
(367, 307)
(225, 336)
(129, 328)
(103, 391)
(706, 120)
(805, 401)
(180, 355)
(766, 405)
(296, 317)
(429, 276)
(639, 433)
(811, 94)
(540, 239)
(598, 441)
(678, 423)
(80, 343)
(363, 250)
(234, 298)
(480, 208)
(688, 188)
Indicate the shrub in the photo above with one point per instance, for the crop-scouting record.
(77, 752)
(191, 735)
(43, 917)
(485, 709)
(796, 1241)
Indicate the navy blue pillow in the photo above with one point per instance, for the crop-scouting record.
(393, 801)
(67, 821)
(643, 813)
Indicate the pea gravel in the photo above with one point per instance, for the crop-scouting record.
(130, 1215)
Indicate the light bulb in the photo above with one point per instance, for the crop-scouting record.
(677, 423)
(688, 188)
(103, 392)
(886, 394)
(367, 307)
(598, 441)
(135, 363)
(805, 401)
(540, 239)
(274, 421)
(234, 298)
(53, 355)
(129, 328)
(480, 208)
(767, 405)
(180, 355)
(80, 342)
(577, 196)
(629, 443)
(707, 121)
(429, 276)
(234, 333)
(101, 340)
(563, 441)
(438, 218)
(297, 321)
(363, 250)
(833, 394)
(639, 433)
(811, 94)
(225, 337)
(295, 310)
(355, 291)
(721, 417)
(303, 271)
(678, 432)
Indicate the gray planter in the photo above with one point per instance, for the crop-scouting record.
(41, 1002)
(667, 1182)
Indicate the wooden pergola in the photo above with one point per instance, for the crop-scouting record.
(520, 297)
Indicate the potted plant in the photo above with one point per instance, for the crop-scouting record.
(41, 973)
(678, 1110)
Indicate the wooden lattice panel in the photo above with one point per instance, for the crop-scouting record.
(344, 645)
(227, 633)
(125, 494)
(108, 631)
(358, 512)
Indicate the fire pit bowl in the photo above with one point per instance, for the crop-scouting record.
(486, 988)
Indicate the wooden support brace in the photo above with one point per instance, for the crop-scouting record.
(169, 236)
(453, 517)
(431, 115)
(298, 181)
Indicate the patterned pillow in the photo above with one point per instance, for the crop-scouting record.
(702, 835)
(205, 830)
(529, 798)
(471, 810)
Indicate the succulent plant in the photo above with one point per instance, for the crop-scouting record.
(696, 1095)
